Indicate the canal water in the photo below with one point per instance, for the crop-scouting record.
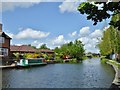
(89, 74)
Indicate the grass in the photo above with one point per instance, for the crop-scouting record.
(104, 60)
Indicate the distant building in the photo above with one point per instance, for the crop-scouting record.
(46, 51)
(4, 46)
(22, 49)
(28, 49)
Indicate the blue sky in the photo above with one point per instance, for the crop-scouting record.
(52, 23)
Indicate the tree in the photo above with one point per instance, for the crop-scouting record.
(97, 15)
(74, 50)
(43, 46)
(33, 47)
(111, 41)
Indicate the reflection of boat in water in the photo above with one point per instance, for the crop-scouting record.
(31, 62)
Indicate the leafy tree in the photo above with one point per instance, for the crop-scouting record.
(110, 42)
(33, 47)
(43, 46)
(111, 39)
(74, 50)
(97, 15)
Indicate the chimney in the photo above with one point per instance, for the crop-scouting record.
(0, 27)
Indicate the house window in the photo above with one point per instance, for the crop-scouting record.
(4, 51)
(2, 39)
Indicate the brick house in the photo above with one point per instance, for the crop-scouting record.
(4, 46)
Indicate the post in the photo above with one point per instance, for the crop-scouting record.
(0, 27)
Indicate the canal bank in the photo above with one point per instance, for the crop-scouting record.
(116, 81)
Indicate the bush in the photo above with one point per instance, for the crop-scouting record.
(30, 55)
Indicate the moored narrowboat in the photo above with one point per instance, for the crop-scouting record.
(31, 62)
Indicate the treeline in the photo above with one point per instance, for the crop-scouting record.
(110, 43)
(70, 50)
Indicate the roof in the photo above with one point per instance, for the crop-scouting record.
(46, 50)
(26, 48)
(23, 48)
(4, 35)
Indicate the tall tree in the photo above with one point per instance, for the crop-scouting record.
(111, 41)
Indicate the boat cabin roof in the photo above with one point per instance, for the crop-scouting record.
(35, 58)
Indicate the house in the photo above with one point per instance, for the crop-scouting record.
(4, 46)
(22, 49)
(28, 49)
(46, 51)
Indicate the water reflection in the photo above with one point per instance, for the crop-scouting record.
(91, 73)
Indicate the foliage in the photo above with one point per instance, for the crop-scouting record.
(43, 47)
(111, 41)
(33, 47)
(97, 15)
(104, 60)
(74, 50)
(30, 55)
(16, 55)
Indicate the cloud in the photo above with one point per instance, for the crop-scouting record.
(85, 31)
(70, 5)
(37, 43)
(73, 34)
(29, 34)
(10, 6)
(90, 44)
(67, 5)
(90, 39)
(105, 28)
(96, 34)
(60, 40)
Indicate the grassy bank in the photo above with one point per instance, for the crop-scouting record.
(104, 60)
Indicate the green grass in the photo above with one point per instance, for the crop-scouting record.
(103, 60)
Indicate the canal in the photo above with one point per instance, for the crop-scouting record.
(89, 74)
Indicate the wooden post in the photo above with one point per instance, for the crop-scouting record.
(0, 27)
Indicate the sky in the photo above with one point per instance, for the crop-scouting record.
(50, 23)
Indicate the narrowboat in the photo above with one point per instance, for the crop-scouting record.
(31, 62)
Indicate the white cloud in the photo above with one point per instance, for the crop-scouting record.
(90, 44)
(29, 34)
(37, 43)
(85, 31)
(10, 6)
(84, 40)
(73, 34)
(105, 28)
(90, 39)
(96, 34)
(70, 5)
(67, 5)
(60, 40)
